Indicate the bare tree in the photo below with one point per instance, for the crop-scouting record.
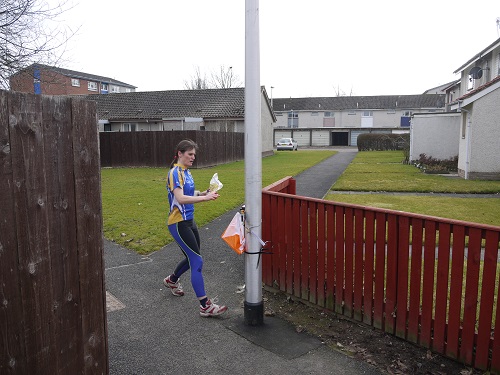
(30, 33)
(225, 78)
(197, 81)
(340, 92)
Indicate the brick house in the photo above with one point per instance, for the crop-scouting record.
(51, 80)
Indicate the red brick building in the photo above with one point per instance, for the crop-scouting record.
(50, 80)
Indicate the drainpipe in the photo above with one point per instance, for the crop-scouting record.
(467, 143)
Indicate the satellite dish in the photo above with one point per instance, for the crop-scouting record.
(476, 72)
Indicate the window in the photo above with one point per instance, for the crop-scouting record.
(314, 113)
(329, 114)
(464, 124)
(367, 113)
(391, 111)
(75, 82)
(470, 83)
(115, 88)
(407, 113)
(352, 112)
(92, 86)
(293, 119)
(498, 64)
(104, 87)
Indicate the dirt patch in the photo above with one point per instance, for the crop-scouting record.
(388, 353)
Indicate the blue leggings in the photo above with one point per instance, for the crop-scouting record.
(186, 235)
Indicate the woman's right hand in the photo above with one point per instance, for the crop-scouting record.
(210, 196)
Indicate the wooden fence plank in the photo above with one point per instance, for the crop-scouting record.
(428, 283)
(495, 350)
(415, 281)
(12, 344)
(267, 236)
(282, 252)
(456, 283)
(288, 268)
(471, 294)
(392, 269)
(378, 305)
(339, 259)
(58, 154)
(276, 242)
(441, 288)
(305, 251)
(330, 258)
(30, 195)
(369, 267)
(90, 247)
(297, 247)
(313, 253)
(402, 276)
(321, 298)
(359, 233)
(487, 299)
(349, 262)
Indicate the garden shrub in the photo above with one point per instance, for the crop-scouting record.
(429, 164)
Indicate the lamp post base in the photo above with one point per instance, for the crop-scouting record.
(254, 313)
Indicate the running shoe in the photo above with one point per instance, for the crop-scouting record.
(212, 309)
(175, 288)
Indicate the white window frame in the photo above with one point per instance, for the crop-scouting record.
(104, 87)
(114, 88)
(75, 82)
(329, 114)
(92, 86)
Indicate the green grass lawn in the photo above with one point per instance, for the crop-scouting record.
(135, 204)
(382, 171)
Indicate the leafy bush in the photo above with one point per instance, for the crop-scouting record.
(429, 164)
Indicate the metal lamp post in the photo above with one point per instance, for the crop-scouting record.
(253, 305)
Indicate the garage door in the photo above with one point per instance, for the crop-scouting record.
(320, 138)
(303, 138)
(278, 134)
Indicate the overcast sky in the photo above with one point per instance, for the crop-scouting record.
(307, 48)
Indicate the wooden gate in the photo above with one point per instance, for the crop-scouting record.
(52, 295)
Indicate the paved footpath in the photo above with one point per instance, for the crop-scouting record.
(151, 332)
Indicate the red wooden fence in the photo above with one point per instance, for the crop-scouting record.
(428, 280)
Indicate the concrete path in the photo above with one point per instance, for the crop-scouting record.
(316, 182)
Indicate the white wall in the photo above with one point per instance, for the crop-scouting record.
(485, 129)
(436, 135)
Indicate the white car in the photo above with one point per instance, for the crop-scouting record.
(287, 144)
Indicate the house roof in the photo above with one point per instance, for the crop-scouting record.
(157, 105)
(442, 87)
(359, 102)
(479, 55)
(480, 88)
(79, 75)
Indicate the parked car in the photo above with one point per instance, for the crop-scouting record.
(287, 144)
